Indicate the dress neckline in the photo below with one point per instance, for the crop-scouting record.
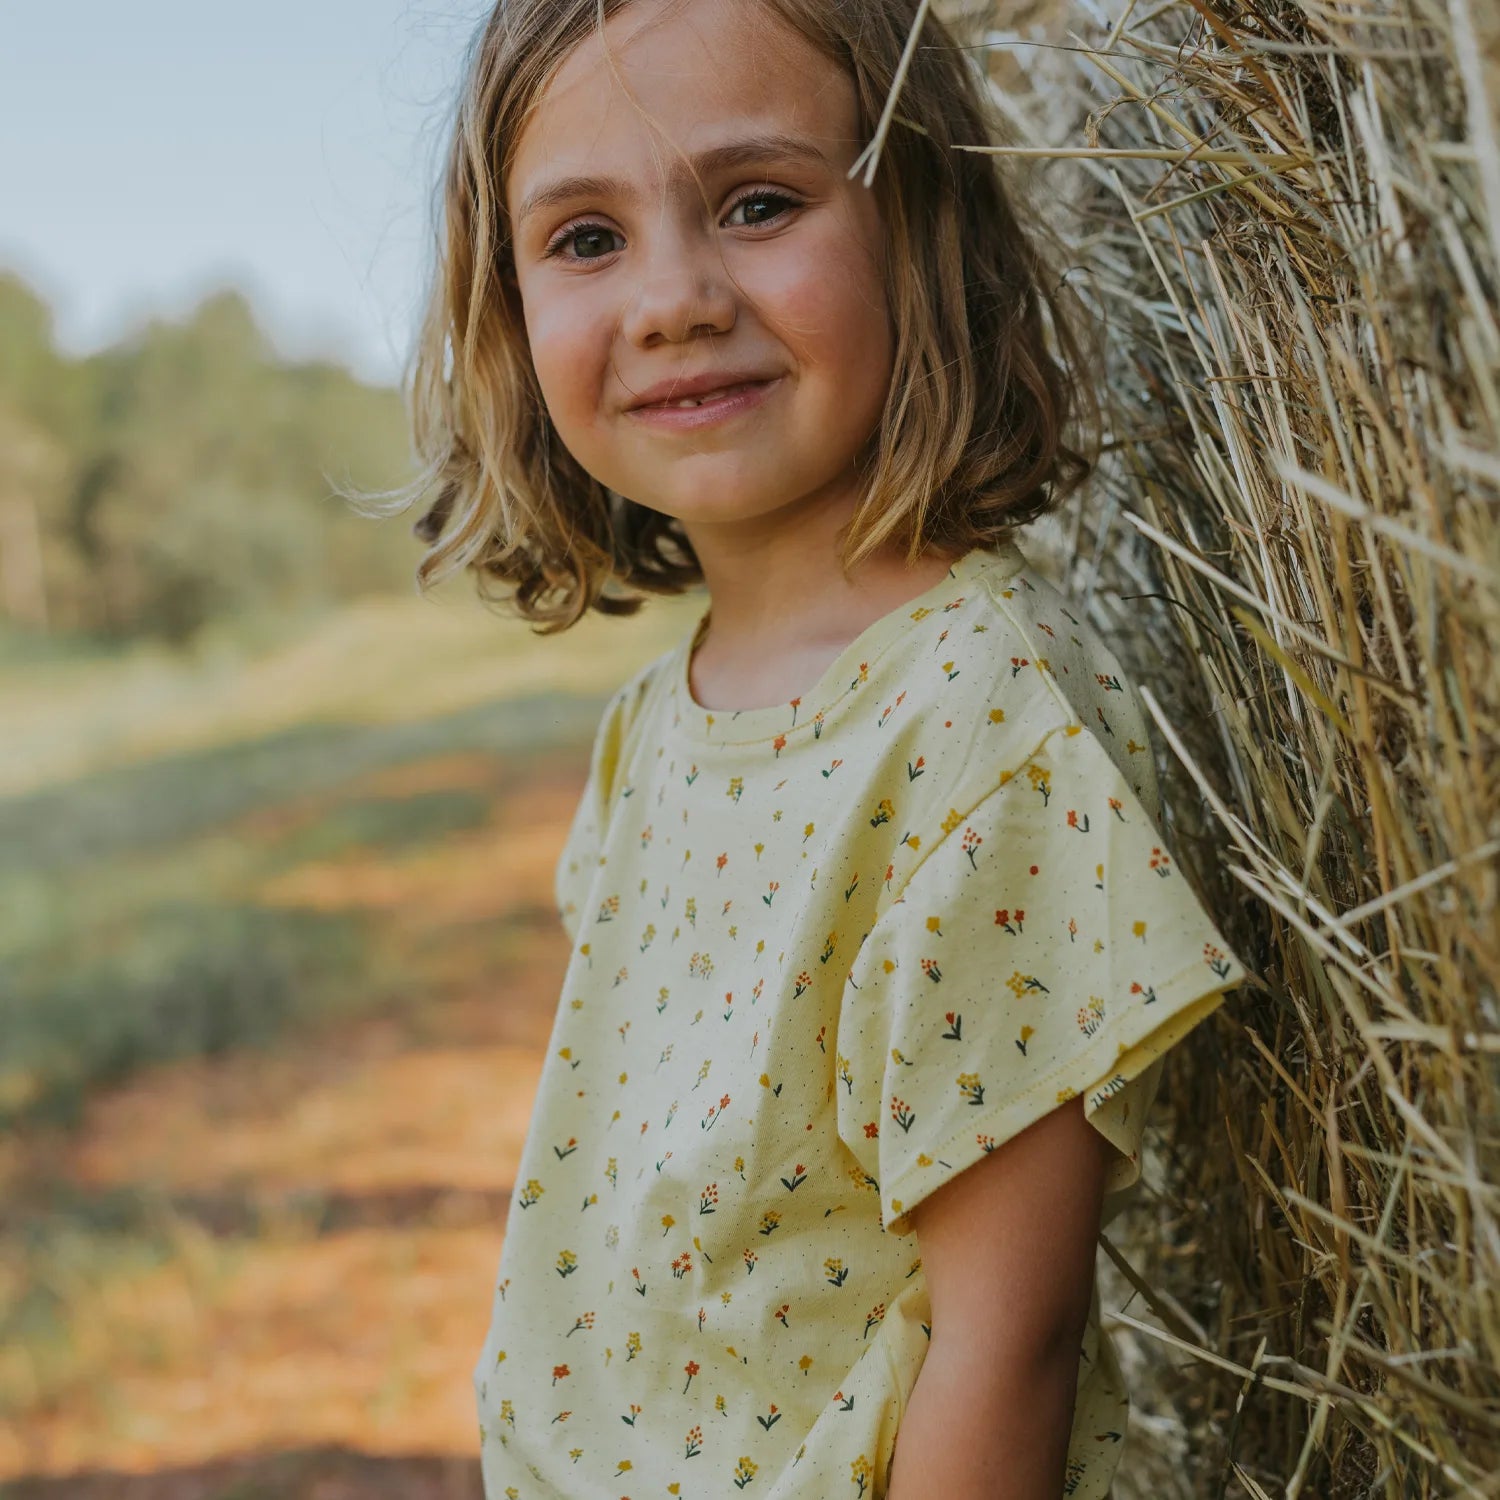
(844, 673)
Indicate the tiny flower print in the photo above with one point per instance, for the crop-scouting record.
(1091, 1016)
(567, 1150)
(608, 909)
(875, 1315)
(829, 944)
(692, 1369)
(771, 1418)
(796, 704)
(629, 1420)
(744, 1472)
(1161, 862)
(694, 1442)
(951, 670)
(817, 725)
(647, 936)
(902, 1113)
(1016, 664)
(1010, 920)
(1041, 781)
(751, 1257)
(1020, 984)
(681, 1265)
(804, 979)
(1215, 959)
(953, 819)
(872, 1130)
(971, 842)
(531, 1192)
(781, 1312)
(708, 1199)
(884, 811)
(836, 1271)
(1138, 929)
(997, 716)
(970, 1086)
(778, 745)
(558, 1372)
(1074, 822)
(853, 886)
(932, 971)
(632, 1348)
(798, 1177)
(845, 1075)
(955, 1031)
(1027, 1032)
(832, 768)
(736, 787)
(769, 1221)
(771, 888)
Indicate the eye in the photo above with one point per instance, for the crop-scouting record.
(587, 242)
(762, 206)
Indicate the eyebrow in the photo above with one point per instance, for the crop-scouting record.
(773, 147)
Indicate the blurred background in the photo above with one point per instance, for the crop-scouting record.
(277, 946)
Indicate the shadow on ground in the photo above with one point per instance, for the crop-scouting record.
(310, 1474)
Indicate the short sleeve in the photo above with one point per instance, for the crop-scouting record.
(579, 859)
(1047, 946)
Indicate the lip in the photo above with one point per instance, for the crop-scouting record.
(723, 397)
(680, 387)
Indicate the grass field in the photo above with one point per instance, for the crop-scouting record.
(277, 960)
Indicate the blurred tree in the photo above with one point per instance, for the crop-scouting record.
(179, 477)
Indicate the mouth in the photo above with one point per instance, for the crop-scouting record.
(716, 396)
(701, 408)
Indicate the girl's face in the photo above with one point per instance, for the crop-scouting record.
(759, 294)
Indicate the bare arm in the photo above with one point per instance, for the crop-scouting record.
(1008, 1253)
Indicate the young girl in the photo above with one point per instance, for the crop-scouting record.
(876, 946)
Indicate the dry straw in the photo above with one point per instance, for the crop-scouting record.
(1288, 214)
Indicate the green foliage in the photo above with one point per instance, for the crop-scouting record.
(186, 476)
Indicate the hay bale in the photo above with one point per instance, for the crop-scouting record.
(1287, 216)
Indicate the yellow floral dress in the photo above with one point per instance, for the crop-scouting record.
(826, 955)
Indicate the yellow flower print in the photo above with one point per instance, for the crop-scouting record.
(997, 716)
(1019, 984)
(1139, 930)
(935, 924)
(952, 821)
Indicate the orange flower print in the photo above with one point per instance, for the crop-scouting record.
(781, 1312)
(875, 1315)
(1075, 824)
(971, 842)
(1010, 920)
(1161, 862)
(1091, 1016)
(692, 1369)
(771, 1418)
(902, 1113)
(955, 1031)
(558, 1371)
(694, 1440)
(778, 745)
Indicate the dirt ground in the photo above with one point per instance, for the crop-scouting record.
(333, 1211)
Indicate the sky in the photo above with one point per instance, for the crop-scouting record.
(154, 152)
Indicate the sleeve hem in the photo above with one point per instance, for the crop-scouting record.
(1114, 1057)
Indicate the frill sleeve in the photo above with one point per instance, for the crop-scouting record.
(1046, 946)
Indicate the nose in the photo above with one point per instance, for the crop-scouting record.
(684, 292)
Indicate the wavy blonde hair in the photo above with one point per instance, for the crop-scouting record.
(970, 443)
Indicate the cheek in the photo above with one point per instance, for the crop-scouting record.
(569, 343)
(826, 301)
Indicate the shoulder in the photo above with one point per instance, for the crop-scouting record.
(624, 717)
(976, 690)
